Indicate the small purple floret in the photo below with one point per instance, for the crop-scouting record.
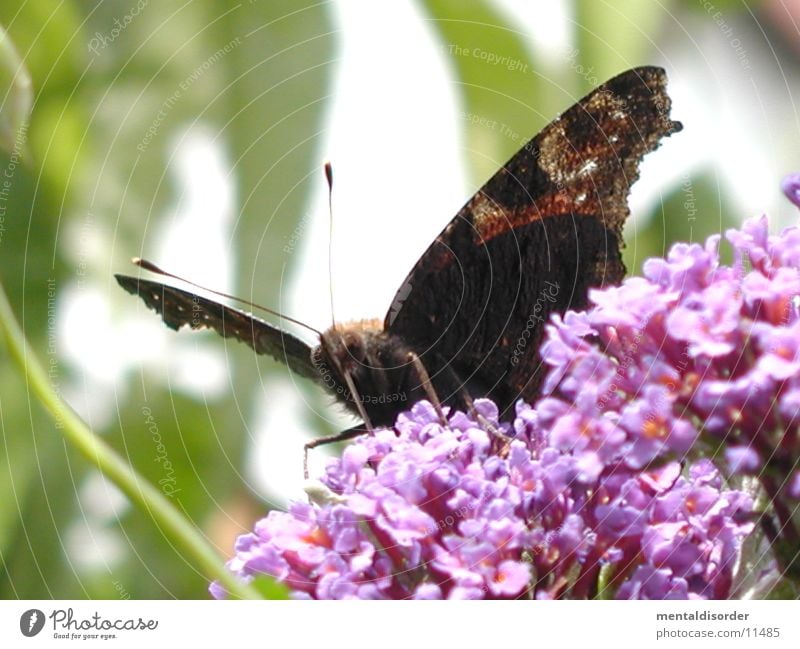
(790, 186)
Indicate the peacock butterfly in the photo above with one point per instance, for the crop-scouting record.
(469, 318)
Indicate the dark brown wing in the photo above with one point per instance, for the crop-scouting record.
(542, 231)
(179, 308)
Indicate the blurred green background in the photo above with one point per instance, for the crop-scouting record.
(127, 95)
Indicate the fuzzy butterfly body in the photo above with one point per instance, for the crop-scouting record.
(469, 318)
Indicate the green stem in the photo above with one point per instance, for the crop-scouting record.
(98, 453)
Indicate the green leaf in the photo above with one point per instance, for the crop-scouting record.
(174, 525)
(692, 212)
(279, 95)
(48, 37)
(269, 588)
(505, 99)
(614, 37)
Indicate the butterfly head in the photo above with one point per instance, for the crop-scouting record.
(349, 346)
(365, 367)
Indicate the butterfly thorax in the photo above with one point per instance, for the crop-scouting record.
(377, 363)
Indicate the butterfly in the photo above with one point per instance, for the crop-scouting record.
(469, 318)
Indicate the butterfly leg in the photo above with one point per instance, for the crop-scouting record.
(488, 426)
(350, 433)
(427, 386)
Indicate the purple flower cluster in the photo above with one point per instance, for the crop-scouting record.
(695, 355)
(602, 488)
(471, 511)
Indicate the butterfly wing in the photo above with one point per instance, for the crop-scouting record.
(180, 308)
(541, 232)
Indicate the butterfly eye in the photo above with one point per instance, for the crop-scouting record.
(355, 348)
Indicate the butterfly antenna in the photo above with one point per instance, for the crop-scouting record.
(329, 178)
(149, 265)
